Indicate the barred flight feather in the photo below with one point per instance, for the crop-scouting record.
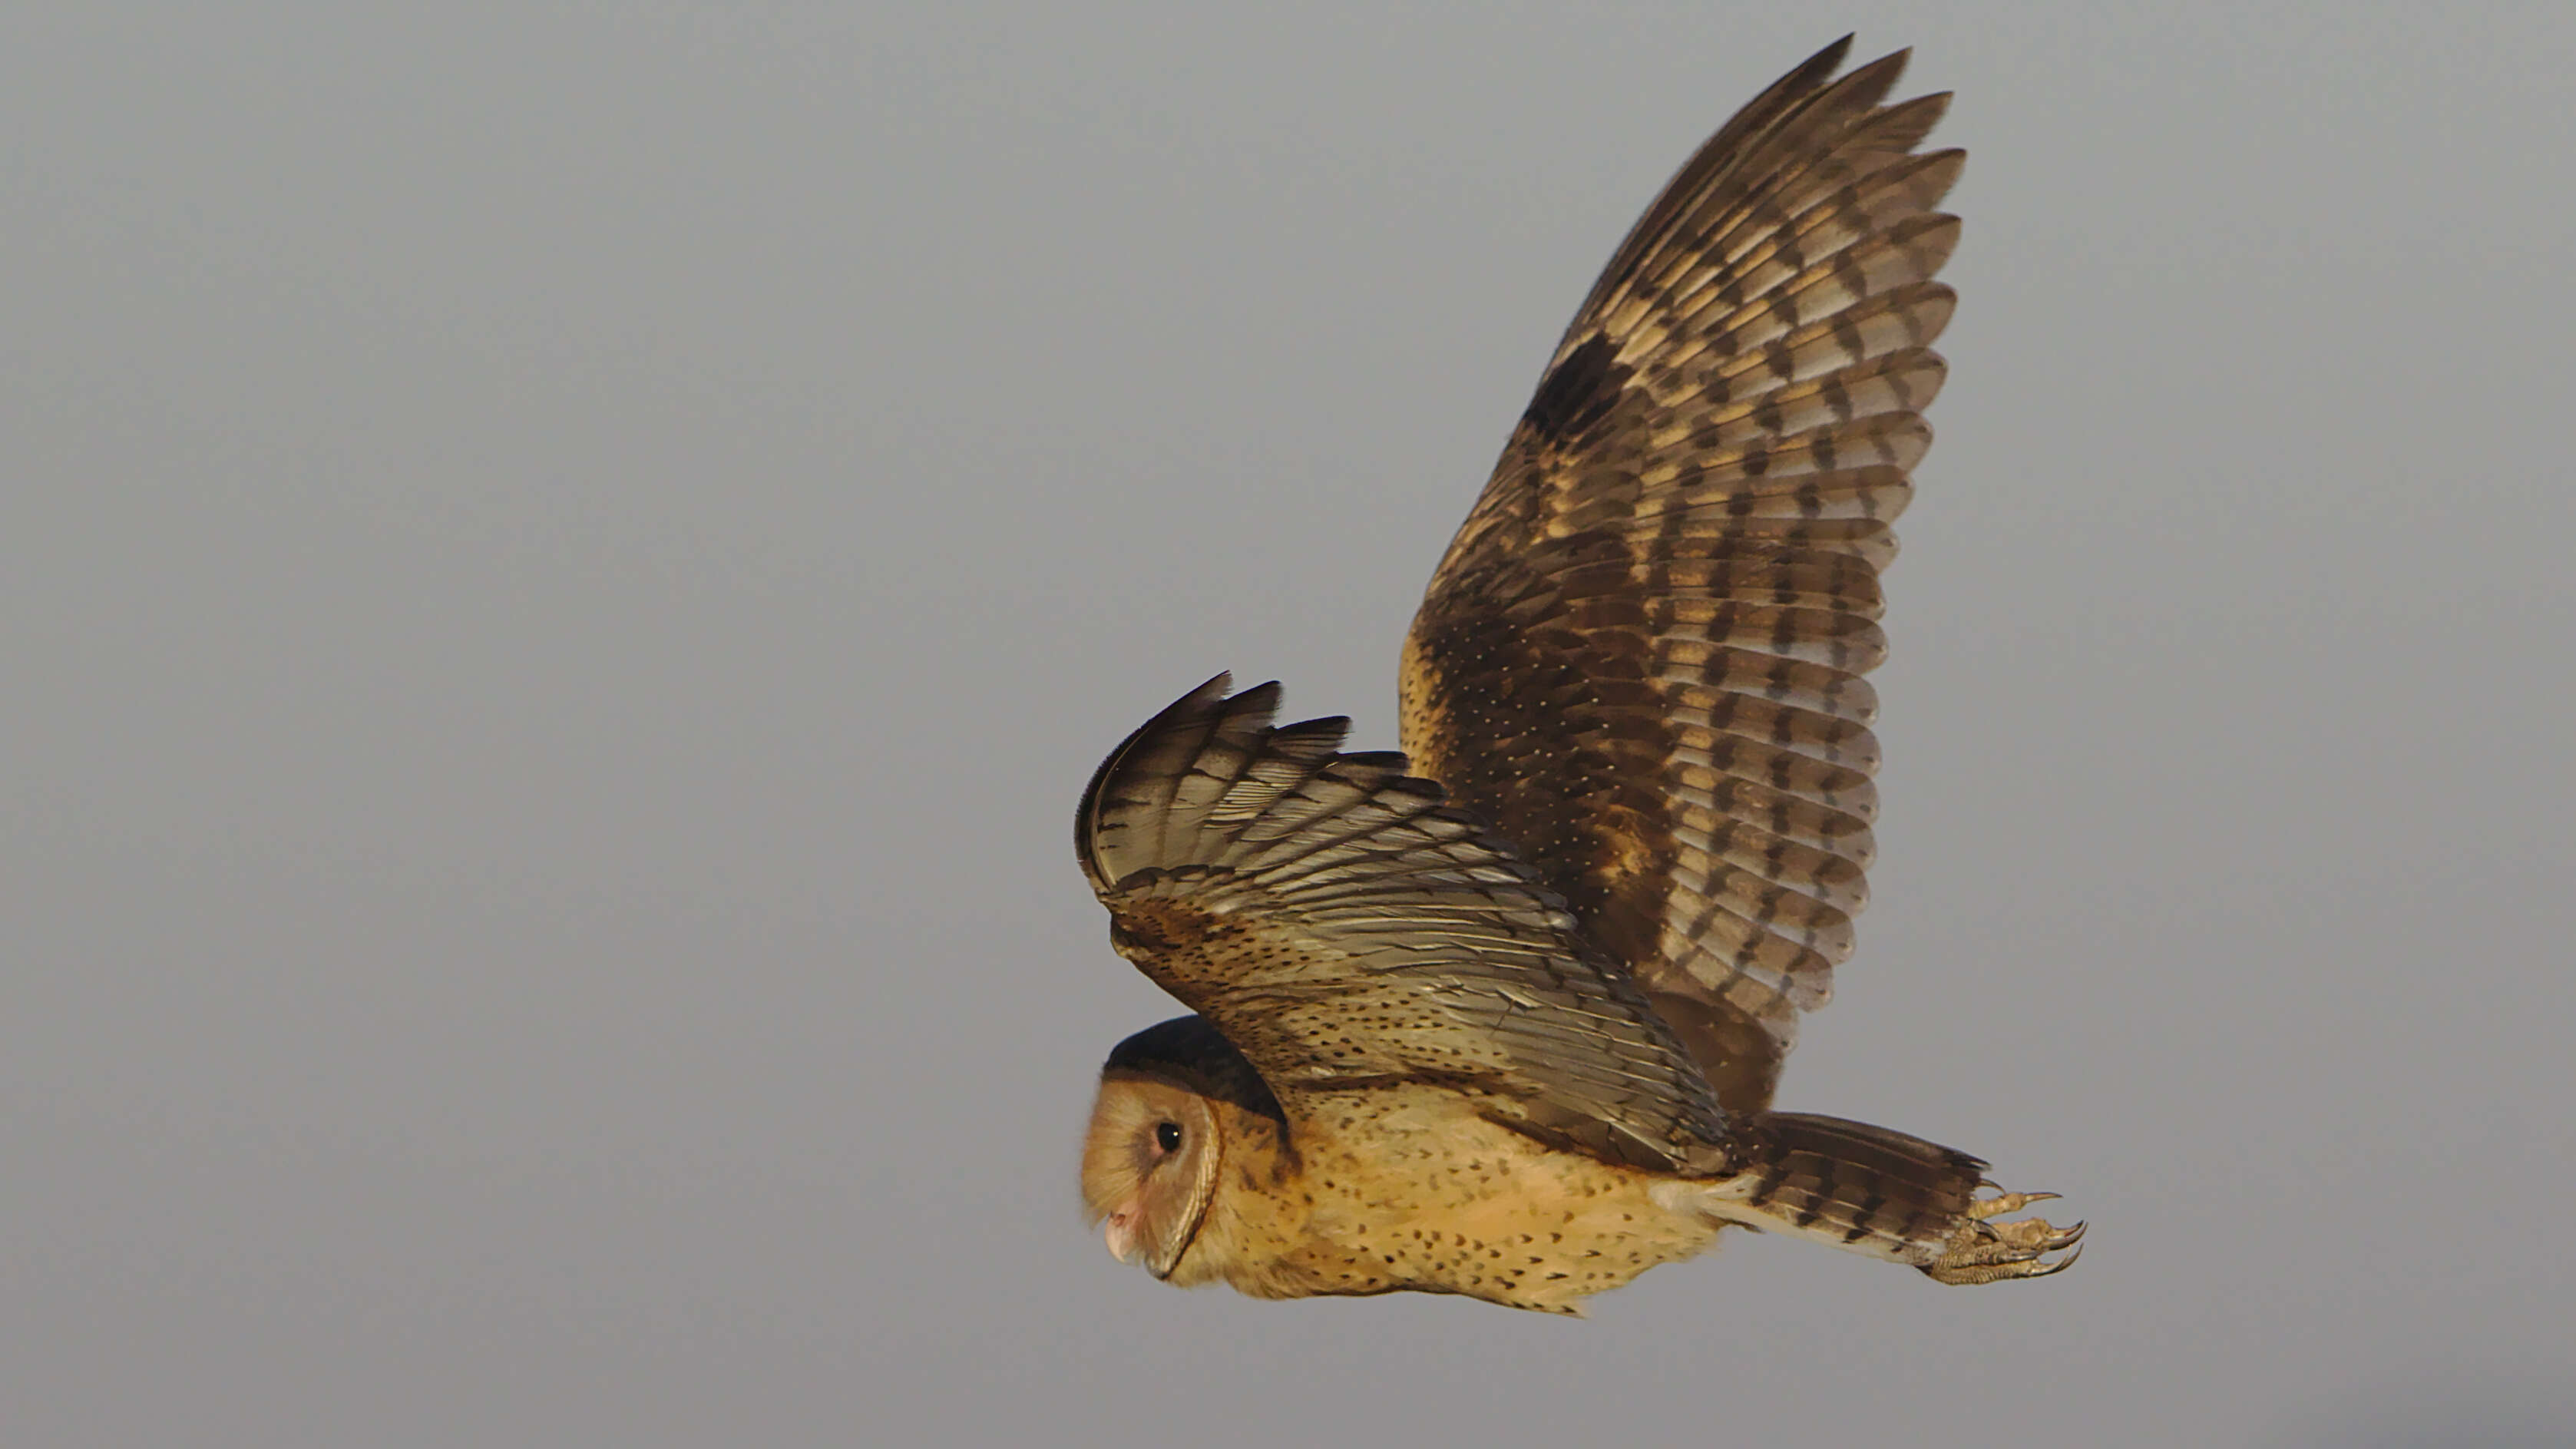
(1640, 658)
(1337, 920)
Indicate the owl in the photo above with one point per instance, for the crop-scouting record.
(1501, 1015)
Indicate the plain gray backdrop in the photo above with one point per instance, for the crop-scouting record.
(562, 567)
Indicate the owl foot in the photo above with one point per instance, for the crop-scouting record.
(1988, 1252)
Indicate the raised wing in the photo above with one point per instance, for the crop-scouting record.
(1641, 658)
(1344, 928)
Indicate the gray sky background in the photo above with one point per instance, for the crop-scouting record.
(562, 567)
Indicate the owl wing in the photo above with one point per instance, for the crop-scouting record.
(1641, 658)
(1345, 928)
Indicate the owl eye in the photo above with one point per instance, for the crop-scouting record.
(1167, 1135)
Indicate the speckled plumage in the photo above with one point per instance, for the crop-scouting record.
(1516, 1034)
(1395, 1188)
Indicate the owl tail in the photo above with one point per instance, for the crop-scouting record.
(1848, 1185)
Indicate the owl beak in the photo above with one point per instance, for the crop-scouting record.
(1121, 1233)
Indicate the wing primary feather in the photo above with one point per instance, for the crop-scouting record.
(1640, 657)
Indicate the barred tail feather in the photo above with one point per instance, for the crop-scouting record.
(1848, 1185)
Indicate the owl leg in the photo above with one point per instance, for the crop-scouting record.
(1980, 1251)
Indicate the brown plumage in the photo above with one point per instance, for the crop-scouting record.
(1515, 1034)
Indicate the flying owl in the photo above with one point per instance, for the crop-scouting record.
(1501, 1015)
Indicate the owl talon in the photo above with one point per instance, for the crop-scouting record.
(1981, 1251)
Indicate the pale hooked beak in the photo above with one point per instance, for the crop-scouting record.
(1121, 1234)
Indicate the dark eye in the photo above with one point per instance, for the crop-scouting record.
(1167, 1135)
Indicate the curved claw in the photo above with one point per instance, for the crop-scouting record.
(1982, 1251)
(2042, 1270)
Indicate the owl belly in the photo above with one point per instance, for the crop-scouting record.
(1432, 1198)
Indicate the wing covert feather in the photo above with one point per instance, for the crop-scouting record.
(1342, 925)
(1640, 659)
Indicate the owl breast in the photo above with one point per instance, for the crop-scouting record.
(1397, 1189)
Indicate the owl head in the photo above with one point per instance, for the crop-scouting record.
(1173, 1099)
